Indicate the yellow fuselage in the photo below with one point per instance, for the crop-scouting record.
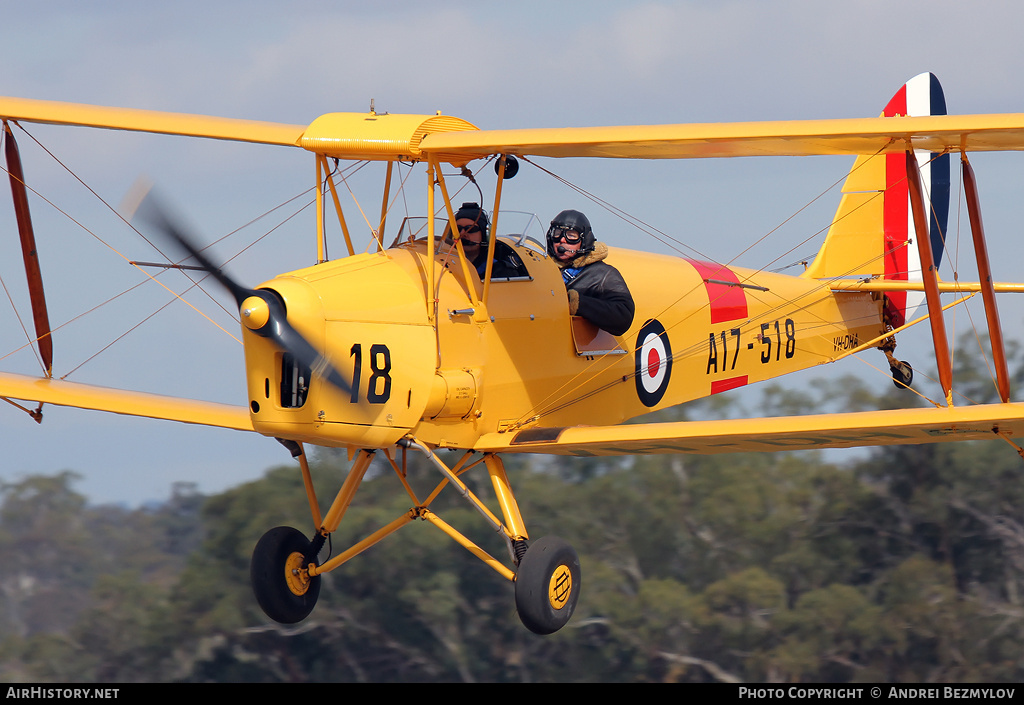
(449, 371)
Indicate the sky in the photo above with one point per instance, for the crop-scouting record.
(498, 65)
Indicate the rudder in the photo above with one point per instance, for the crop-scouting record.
(872, 234)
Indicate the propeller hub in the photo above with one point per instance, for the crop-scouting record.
(255, 313)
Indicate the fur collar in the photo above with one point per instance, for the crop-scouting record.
(597, 254)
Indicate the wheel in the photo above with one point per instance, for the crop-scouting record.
(547, 585)
(283, 588)
(902, 374)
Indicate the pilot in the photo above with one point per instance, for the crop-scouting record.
(596, 289)
(474, 230)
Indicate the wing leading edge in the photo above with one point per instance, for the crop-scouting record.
(869, 428)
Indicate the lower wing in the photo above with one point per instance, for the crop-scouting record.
(869, 428)
(87, 396)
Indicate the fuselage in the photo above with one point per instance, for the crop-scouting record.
(434, 360)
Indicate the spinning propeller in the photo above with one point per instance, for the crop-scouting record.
(262, 311)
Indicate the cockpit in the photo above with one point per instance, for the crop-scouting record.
(520, 231)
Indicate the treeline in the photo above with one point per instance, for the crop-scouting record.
(901, 564)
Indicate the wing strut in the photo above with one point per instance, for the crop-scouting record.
(40, 318)
(930, 279)
(988, 293)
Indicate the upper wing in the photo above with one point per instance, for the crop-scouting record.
(996, 132)
(58, 113)
(341, 135)
(869, 428)
(373, 136)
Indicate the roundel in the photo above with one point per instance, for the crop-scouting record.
(653, 360)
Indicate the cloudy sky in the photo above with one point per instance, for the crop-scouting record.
(528, 64)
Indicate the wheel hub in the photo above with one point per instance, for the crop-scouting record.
(560, 587)
(296, 575)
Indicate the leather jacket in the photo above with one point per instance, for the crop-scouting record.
(598, 292)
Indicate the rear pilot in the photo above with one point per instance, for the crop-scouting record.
(596, 290)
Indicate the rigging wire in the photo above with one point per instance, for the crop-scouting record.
(195, 283)
(21, 322)
(101, 200)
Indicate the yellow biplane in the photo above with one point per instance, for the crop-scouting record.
(410, 346)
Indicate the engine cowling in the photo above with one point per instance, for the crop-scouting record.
(367, 314)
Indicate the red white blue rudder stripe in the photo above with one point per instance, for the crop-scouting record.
(920, 96)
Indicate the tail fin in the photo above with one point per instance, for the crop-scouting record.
(872, 233)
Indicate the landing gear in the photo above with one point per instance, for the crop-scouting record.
(280, 579)
(902, 374)
(547, 585)
(545, 577)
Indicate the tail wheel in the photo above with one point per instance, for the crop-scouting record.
(547, 585)
(902, 374)
(280, 579)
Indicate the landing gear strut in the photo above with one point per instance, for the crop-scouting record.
(286, 574)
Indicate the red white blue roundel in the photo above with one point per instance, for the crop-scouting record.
(653, 362)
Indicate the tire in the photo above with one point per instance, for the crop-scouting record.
(547, 585)
(283, 592)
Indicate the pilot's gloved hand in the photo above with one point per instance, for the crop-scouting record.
(574, 301)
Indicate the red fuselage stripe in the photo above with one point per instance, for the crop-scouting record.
(728, 301)
(724, 385)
